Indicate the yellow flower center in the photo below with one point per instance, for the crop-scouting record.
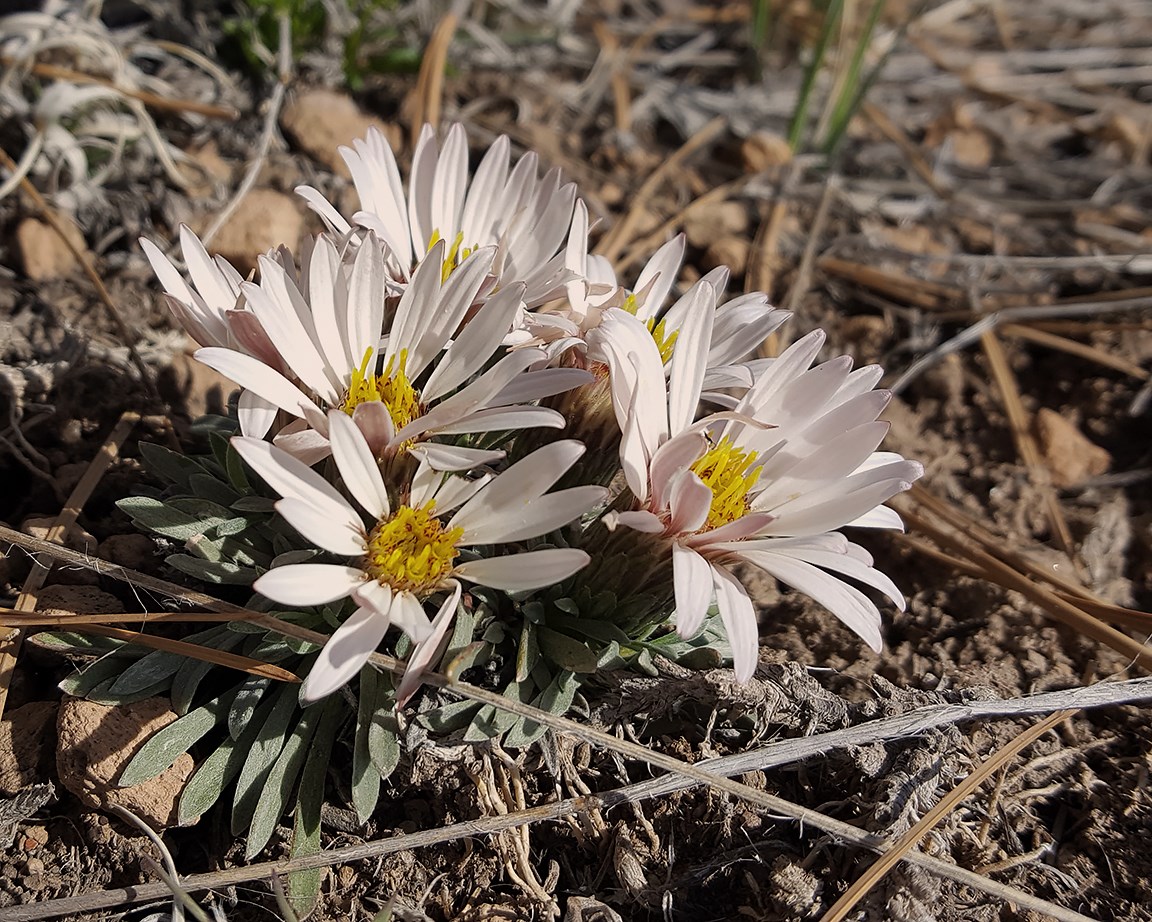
(392, 388)
(730, 475)
(456, 254)
(665, 341)
(411, 550)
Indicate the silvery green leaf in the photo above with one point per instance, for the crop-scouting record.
(247, 699)
(566, 652)
(483, 725)
(160, 665)
(449, 717)
(644, 662)
(205, 486)
(555, 699)
(187, 680)
(164, 518)
(235, 526)
(263, 504)
(165, 746)
(527, 652)
(104, 671)
(567, 606)
(298, 556)
(277, 784)
(213, 571)
(216, 772)
(365, 777)
(603, 631)
(211, 423)
(237, 476)
(73, 643)
(304, 886)
(261, 756)
(610, 657)
(169, 465)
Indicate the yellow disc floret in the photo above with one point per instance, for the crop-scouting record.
(456, 254)
(411, 550)
(392, 388)
(729, 473)
(665, 341)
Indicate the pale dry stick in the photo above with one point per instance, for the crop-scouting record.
(693, 773)
(1136, 263)
(916, 160)
(971, 334)
(427, 96)
(1057, 607)
(804, 272)
(761, 274)
(170, 876)
(127, 334)
(12, 640)
(911, 838)
(621, 90)
(1078, 349)
(612, 244)
(1021, 428)
(267, 133)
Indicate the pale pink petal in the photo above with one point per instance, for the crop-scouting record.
(337, 535)
(455, 457)
(746, 526)
(346, 652)
(476, 344)
(375, 422)
(690, 356)
(521, 483)
(255, 376)
(689, 504)
(639, 520)
(365, 310)
(522, 572)
(303, 443)
(739, 617)
(256, 414)
(880, 517)
(517, 522)
(408, 614)
(495, 419)
(294, 480)
(659, 275)
(692, 581)
(323, 207)
(430, 650)
(535, 385)
(846, 602)
(308, 583)
(357, 465)
(439, 321)
(676, 455)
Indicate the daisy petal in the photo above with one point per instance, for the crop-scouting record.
(739, 617)
(339, 536)
(430, 649)
(346, 652)
(357, 465)
(521, 572)
(692, 580)
(308, 583)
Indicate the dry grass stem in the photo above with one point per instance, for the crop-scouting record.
(65, 521)
(942, 808)
(427, 97)
(1029, 451)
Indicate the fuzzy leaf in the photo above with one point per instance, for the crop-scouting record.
(555, 699)
(165, 518)
(277, 786)
(166, 745)
(248, 698)
(304, 886)
(105, 670)
(169, 465)
(528, 652)
(205, 486)
(188, 677)
(261, 756)
(218, 571)
(566, 652)
(365, 778)
(216, 772)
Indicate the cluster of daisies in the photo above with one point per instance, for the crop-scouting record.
(417, 381)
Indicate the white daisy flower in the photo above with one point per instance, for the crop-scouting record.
(527, 219)
(412, 548)
(766, 484)
(406, 383)
(210, 307)
(739, 326)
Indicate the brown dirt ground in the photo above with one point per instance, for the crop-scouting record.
(1029, 155)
